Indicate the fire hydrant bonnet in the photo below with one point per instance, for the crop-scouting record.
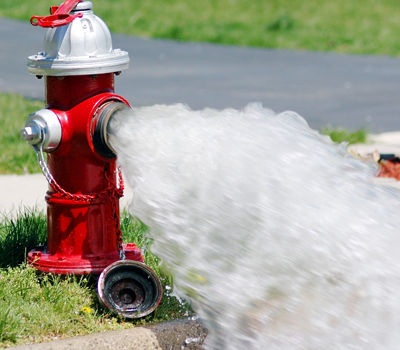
(83, 47)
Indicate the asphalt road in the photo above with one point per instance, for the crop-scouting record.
(325, 88)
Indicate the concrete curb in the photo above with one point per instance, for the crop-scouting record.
(186, 334)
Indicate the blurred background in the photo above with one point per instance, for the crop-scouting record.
(332, 61)
(349, 26)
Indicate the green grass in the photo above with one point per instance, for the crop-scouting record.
(16, 157)
(343, 135)
(42, 308)
(34, 309)
(20, 235)
(352, 26)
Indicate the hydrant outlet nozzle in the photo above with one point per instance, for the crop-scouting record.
(100, 127)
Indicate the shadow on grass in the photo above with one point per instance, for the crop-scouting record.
(36, 308)
(19, 234)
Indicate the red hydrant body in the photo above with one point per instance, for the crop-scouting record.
(83, 231)
(84, 235)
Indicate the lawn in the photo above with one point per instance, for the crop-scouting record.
(351, 26)
(42, 308)
(16, 155)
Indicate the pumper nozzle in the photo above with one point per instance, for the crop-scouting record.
(129, 288)
(100, 127)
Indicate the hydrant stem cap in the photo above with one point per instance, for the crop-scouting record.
(82, 47)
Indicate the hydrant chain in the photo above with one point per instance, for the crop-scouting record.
(52, 182)
(77, 197)
(116, 194)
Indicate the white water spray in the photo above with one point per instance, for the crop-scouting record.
(279, 237)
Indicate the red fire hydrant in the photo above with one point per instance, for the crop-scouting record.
(84, 235)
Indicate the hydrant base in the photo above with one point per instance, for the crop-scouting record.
(43, 261)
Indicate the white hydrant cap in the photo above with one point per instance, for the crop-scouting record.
(83, 47)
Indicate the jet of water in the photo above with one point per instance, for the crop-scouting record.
(278, 236)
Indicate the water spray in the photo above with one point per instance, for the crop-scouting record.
(277, 235)
(84, 236)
